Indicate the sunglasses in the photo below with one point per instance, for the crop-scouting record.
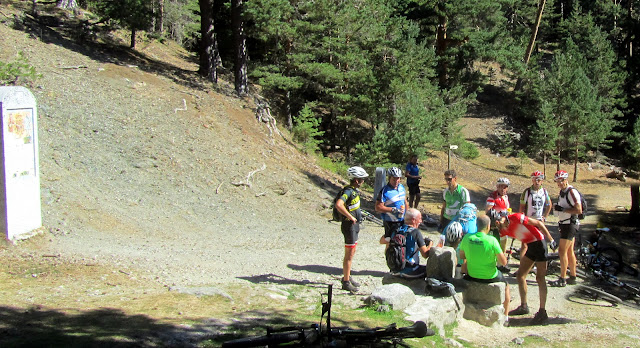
(448, 179)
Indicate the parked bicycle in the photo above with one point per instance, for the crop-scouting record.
(601, 264)
(317, 336)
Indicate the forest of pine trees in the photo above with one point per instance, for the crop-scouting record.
(376, 80)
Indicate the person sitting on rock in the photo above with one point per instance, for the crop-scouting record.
(414, 242)
(480, 252)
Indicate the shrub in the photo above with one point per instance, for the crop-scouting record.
(13, 72)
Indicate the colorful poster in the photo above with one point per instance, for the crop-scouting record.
(19, 149)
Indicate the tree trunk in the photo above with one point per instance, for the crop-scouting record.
(133, 38)
(240, 43)
(287, 106)
(160, 17)
(575, 165)
(532, 40)
(67, 4)
(209, 55)
(441, 47)
(634, 213)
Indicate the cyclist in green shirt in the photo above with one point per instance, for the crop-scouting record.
(454, 197)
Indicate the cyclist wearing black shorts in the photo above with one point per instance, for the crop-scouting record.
(412, 173)
(568, 208)
(349, 207)
(535, 234)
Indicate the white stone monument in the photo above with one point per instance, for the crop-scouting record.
(20, 211)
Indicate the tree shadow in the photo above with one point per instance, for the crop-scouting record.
(105, 327)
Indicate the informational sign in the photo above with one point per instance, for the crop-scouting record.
(20, 177)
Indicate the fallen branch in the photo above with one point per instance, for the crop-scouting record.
(74, 67)
(247, 182)
(218, 188)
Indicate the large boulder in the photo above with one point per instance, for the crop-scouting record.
(483, 303)
(441, 263)
(396, 296)
(436, 312)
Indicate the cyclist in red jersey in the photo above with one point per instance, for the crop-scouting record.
(535, 234)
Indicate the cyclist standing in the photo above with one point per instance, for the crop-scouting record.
(535, 202)
(498, 205)
(349, 207)
(454, 197)
(392, 203)
(413, 181)
(535, 234)
(568, 208)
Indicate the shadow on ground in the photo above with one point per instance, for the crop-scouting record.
(106, 327)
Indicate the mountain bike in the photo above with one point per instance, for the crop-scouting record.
(592, 255)
(601, 264)
(317, 336)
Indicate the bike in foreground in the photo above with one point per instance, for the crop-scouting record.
(318, 336)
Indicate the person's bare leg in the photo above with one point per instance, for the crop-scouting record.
(542, 283)
(563, 255)
(571, 257)
(525, 266)
(349, 251)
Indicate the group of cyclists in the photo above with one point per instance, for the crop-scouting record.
(458, 220)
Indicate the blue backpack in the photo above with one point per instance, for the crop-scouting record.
(467, 216)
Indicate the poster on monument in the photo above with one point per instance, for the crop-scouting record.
(19, 150)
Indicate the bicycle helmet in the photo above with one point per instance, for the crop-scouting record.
(356, 172)
(561, 174)
(394, 172)
(453, 232)
(503, 181)
(537, 175)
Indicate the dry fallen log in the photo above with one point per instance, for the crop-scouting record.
(247, 182)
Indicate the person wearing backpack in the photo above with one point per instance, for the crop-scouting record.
(392, 202)
(348, 206)
(535, 202)
(403, 254)
(569, 207)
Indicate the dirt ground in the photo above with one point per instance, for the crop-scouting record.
(171, 216)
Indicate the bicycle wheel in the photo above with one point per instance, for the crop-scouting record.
(306, 336)
(591, 296)
(608, 260)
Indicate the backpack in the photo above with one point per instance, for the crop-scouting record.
(583, 202)
(396, 253)
(466, 216)
(336, 216)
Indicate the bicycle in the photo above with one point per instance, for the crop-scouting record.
(592, 255)
(602, 263)
(317, 336)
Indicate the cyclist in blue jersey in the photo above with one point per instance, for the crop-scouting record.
(392, 203)
(413, 181)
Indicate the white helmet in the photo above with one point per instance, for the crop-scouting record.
(394, 172)
(503, 181)
(453, 232)
(561, 174)
(356, 172)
